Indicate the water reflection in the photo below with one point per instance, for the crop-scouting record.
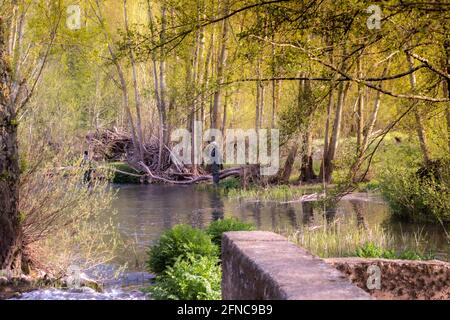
(308, 213)
(217, 206)
(145, 211)
(358, 210)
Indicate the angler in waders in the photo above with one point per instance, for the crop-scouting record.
(86, 163)
(216, 162)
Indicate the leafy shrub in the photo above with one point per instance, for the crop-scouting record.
(218, 227)
(179, 242)
(417, 198)
(371, 250)
(190, 278)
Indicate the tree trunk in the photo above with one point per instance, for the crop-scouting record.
(261, 106)
(224, 116)
(275, 98)
(10, 228)
(206, 77)
(162, 80)
(305, 102)
(327, 134)
(367, 133)
(137, 97)
(360, 112)
(275, 86)
(257, 100)
(121, 75)
(221, 61)
(307, 170)
(334, 141)
(156, 83)
(419, 121)
(287, 170)
(325, 161)
(446, 85)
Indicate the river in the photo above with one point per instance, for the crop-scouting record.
(143, 212)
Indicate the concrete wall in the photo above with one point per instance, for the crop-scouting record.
(261, 265)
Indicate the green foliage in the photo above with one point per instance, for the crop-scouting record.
(371, 250)
(218, 227)
(230, 183)
(417, 198)
(179, 242)
(188, 262)
(190, 278)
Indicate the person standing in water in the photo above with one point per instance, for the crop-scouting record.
(216, 161)
(86, 162)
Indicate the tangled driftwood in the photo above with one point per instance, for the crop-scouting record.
(117, 145)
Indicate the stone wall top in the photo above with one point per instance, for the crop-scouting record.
(264, 265)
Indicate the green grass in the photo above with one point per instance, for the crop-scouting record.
(347, 239)
(280, 193)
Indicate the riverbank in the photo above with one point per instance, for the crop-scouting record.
(14, 288)
(123, 286)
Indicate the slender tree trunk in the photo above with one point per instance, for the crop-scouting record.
(325, 161)
(137, 97)
(162, 79)
(334, 141)
(126, 104)
(257, 100)
(206, 78)
(156, 83)
(275, 99)
(224, 116)
(360, 112)
(221, 62)
(122, 80)
(327, 134)
(367, 133)
(418, 117)
(275, 86)
(307, 169)
(305, 102)
(10, 228)
(288, 165)
(261, 105)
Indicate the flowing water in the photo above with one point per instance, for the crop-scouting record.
(143, 212)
